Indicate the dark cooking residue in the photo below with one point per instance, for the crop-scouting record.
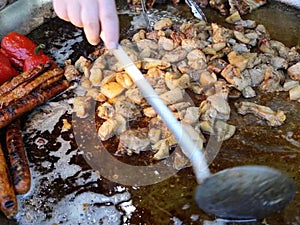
(65, 190)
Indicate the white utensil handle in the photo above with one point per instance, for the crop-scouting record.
(188, 146)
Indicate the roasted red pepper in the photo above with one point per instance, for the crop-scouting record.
(23, 52)
(37, 59)
(18, 47)
(6, 69)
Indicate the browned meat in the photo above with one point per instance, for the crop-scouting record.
(29, 102)
(8, 200)
(17, 156)
(25, 88)
(22, 78)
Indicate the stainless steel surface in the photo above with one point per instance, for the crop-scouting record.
(24, 15)
(196, 10)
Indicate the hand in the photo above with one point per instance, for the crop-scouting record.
(93, 16)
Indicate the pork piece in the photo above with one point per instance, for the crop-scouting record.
(135, 96)
(180, 160)
(175, 55)
(263, 112)
(220, 34)
(149, 112)
(257, 74)
(148, 63)
(236, 19)
(177, 37)
(248, 92)
(192, 115)
(240, 48)
(173, 96)
(71, 73)
(163, 24)
(112, 89)
(95, 94)
(217, 65)
(83, 65)
(272, 80)
(294, 71)
(82, 105)
(105, 111)
(146, 43)
(163, 147)
(224, 130)
(133, 141)
(112, 126)
(140, 35)
(166, 44)
(155, 77)
(294, 93)
(237, 60)
(128, 110)
(233, 76)
(220, 5)
(154, 135)
(245, 6)
(124, 80)
(207, 78)
(173, 82)
(214, 107)
(196, 59)
(95, 72)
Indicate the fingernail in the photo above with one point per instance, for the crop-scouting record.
(111, 45)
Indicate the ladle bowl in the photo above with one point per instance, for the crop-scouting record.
(245, 192)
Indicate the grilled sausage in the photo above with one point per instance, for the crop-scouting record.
(22, 78)
(18, 161)
(8, 200)
(25, 88)
(29, 102)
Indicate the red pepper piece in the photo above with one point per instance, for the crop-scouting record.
(6, 69)
(35, 60)
(14, 62)
(18, 47)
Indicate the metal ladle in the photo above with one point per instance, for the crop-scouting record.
(241, 192)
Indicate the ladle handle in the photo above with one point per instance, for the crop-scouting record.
(188, 146)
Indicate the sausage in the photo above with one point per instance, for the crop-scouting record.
(25, 88)
(21, 78)
(29, 102)
(8, 199)
(19, 167)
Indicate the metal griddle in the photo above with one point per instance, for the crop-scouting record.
(170, 201)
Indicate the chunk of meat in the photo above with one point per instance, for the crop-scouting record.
(133, 141)
(82, 105)
(272, 118)
(111, 127)
(294, 71)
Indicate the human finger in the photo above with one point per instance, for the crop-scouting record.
(60, 8)
(109, 23)
(74, 13)
(91, 23)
